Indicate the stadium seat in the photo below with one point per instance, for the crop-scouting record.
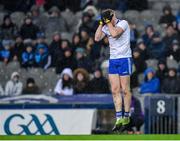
(2, 14)
(158, 5)
(119, 15)
(171, 63)
(17, 18)
(153, 63)
(132, 15)
(140, 78)
(66, 35)
(149, 17)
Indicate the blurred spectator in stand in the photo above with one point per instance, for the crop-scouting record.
(84, 37)
(178, 23)
(104, 52)
(162, 70)
(156, 49)
(18, 48)
(137, 117)
(140, 66)
(64, 85)
(54, 45)
(1, 91)
(5, 53)
(133, 35)
(31, 87)
(167, 17)
(81, 81)
(174, 51)
(82, 60)
(99, 84)
(37, 18)
(170, 35)
(87, 22)
(42, 57)
(93, 49)
(171, 83)
(147, 37)
(28, 29)
(28, 57)
(41, 40)
(76, 41)
(67, 61)
(59, 53)
(143, 49)
(137, 5)
(8, 29)
(14, 86)
(104, 4)
(55, 22)
(151, 83)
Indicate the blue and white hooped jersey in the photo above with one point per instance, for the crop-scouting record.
(119, 46)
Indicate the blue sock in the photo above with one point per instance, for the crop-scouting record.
(126, 114)
(119, 114)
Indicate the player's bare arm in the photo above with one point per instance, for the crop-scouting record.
(114, 31)
(99, 35)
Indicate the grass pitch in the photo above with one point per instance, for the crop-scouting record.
(94, 137)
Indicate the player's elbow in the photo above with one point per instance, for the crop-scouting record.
(97, 39)
(114, 35)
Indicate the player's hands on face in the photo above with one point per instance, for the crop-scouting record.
(106, 16)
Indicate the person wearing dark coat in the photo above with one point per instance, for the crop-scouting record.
(171, 83)
(8, 29)
(167, 17)
(137, 116)
(82, 60)
(81, 81)
(174, 51)
(28, 29)
(28, 56)
(99, 84)
(67, 61)
(162, 70)
(31, 87)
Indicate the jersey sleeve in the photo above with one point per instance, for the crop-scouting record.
(123, 24)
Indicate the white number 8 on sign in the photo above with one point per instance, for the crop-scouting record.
(161, 107)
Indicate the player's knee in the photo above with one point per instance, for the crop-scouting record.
(126, 91)
(115, 90)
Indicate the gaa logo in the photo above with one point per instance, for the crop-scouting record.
(25, 128)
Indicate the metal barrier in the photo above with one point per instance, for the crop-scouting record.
(161, 114)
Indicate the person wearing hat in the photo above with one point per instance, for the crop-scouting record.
(37, 18)
(151, 83)
(42, 57)
(99, 84)
(157, 48)
(174, 50)
(5, 53)
(8, 28)
(82, 60)
(67, 61)
(167, 17)
(14, 86)
(170, 84)
(170, 35)
(149, 31)
(28, 29)
(162, 70)
(28, 57)
(31, 87)
(64, 85)
(55, 22)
